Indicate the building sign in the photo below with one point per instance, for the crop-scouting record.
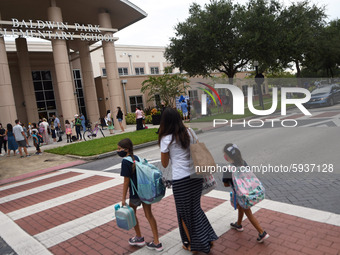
(56, 30)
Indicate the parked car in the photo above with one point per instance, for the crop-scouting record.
(324, 96)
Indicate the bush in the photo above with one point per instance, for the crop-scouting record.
(130, 119)
(148, 119)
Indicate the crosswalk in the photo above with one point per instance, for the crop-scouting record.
(71, 211)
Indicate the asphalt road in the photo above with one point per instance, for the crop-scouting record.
(314, 144)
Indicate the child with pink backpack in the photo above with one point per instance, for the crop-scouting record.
(247, 190)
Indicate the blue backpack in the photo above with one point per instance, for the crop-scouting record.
(150, 187)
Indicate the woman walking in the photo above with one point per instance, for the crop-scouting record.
(12, 144)
(174, 140)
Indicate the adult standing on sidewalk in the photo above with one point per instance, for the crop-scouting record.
(82, 118)
(46, 130)
(3, 140)
(139, 118)
(57, 127)
(12, 144)
(77, 124)
(20, 138)
(119, 117)
(174, 140)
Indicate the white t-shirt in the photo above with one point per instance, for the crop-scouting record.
(17, 129)
(182, 165)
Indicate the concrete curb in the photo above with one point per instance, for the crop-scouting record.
(111, 153)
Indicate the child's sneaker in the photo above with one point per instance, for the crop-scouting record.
(236, 226)
(262, 237)
(153, 246)
(137, 241)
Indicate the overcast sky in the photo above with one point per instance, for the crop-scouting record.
(163, 15)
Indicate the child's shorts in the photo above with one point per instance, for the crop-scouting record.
(135, 201)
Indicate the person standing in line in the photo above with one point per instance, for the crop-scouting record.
(77, 124)
(45, 127)
(57, 127)
(189, 109)
(20, 138)
(12, 144)
(3, 140)
(184, 108)
(109, 122)
(82, 118)
(139, 118)
(174, 140)
(119, 117)
(53, 134)
(68, 131)
(36, 142)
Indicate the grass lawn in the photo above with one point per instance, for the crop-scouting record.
(106, 144)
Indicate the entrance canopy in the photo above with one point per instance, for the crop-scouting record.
(122, 12)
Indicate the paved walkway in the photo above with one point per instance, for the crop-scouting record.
(71, 211)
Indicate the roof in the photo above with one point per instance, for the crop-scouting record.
(123, 13)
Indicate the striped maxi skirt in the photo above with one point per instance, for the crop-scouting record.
(187, 194)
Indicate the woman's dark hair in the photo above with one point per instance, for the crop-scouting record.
(10, 127)
(34, 125)
(138, 107)
(127, 144)
(67, 122)
(108, 111)
(172, 124)
(118, 108)
(234, 153)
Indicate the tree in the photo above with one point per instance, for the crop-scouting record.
(167, 86)
(225, 37)
(300, 24)
(324, 59)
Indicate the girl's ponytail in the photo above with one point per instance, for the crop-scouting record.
(234, 153)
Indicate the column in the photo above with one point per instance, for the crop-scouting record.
(115, 87)
(26, 80)
(89, 86)
(8, 112)
(63, 71)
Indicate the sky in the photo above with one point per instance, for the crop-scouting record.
(163, 15)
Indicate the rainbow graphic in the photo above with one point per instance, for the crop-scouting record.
(213, 90)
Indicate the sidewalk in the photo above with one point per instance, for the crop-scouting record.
(71, 212)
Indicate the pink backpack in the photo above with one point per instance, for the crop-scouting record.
(248, 189)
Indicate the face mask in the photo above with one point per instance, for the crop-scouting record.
(122, 153)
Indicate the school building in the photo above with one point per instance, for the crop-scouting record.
(76, 65)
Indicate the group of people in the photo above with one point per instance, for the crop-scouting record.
(196, 231)
(109, 120)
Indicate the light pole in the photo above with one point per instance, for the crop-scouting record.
(259, 78)
(130, 61)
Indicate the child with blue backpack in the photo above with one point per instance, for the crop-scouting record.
(36, 142)
(233, 155)
(128, 170)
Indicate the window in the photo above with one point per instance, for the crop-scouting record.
(136, 101)
(139, 70)
(154, 70)
(193, 95)
(123, 71)
(104, 71)
(78, 83)
(44, 94)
